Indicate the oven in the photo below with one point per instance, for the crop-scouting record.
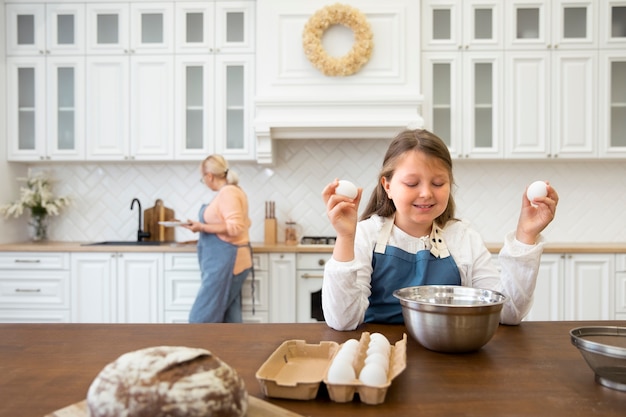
(310, 273)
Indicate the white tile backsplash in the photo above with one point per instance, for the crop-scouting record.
(488, 193)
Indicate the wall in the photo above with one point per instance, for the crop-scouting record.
(488, 193)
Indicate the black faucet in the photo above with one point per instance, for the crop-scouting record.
(140, 233)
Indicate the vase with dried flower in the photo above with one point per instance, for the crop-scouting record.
(38, 199)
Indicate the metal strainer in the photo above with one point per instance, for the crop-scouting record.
(604, 349)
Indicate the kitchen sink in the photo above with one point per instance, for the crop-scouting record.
(125, 243)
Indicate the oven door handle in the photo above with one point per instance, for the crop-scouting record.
(307, 275)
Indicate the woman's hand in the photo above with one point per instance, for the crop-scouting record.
(341, 210)
(532, 219)
(193, 226)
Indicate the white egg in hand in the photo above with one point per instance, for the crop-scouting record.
(373, 375)
(346, 188)
(536, 189)
(341, 372)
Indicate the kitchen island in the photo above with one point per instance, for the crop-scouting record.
(526, 370)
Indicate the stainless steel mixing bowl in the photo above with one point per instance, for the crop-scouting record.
(604, 350)
(450, 318)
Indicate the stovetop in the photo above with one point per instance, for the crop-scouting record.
(318, 240)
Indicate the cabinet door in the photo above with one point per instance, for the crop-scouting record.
(152, 28)
(140, 288)
(108, 28)
(195, 109)
(482, 108)
(620, 287)
(612, 24)
(152, 107)
(482, 25)
(234, 101)
(574, 24)
(527, 24)
(589, 287)
(527, 104)
(108, 106)
(26, 114)
(93, 287)
(548, 298)
(234, 26)
(612, 107)
(65, 27)
(442, 25)
(282, 288)
(574, 107)
(194, 27)
(25, 29)
(66, 108)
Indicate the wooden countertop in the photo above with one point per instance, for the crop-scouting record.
(526, 370)
(260, 247)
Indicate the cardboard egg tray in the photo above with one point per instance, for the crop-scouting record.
(296, 369)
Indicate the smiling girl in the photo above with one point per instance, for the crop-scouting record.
(408, 236)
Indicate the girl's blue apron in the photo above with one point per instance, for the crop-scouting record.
(394, 268)
(217, 260)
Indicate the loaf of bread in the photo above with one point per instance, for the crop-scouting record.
(167, 381)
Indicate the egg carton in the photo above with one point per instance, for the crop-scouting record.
(296, 369)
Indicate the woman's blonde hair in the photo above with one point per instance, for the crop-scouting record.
(218, 166)
(409, 140)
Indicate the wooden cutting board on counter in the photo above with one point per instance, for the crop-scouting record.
(151, 218)
(256, 408)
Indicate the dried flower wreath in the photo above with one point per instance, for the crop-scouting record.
(343, 15)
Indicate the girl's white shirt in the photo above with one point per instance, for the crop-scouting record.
(346, 285)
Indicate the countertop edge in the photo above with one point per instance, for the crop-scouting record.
(260, 247)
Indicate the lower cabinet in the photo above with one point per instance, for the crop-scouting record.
(283, 289)
(620, 287)
(117, 287)
(34, 287)
(182, 281)
(576, 286)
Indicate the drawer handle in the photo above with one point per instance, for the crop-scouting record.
(27, 261)
(307, 275)
(27, 290)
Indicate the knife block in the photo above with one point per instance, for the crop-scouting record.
(270, 231)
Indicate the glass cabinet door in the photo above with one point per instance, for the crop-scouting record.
(574, 24)
(442, 20)
(617, 129)
(527, 24)
(25, 29)
(482, 22)
(613, 24)
(194, 27)
(65, 24)
(234, 26)
(152, 27)
(107, 29)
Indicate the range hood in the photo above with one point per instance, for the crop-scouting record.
(294, 100)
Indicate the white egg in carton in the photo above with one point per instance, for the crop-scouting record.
(366, 367)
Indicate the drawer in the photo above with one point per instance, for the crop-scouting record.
(34, 260)
(181, 288)
(181, 262)
(312, 260)
(40, 289)
(260, 261)
(34, 316)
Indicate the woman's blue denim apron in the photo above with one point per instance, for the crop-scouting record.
(394, 268)
(219, 296)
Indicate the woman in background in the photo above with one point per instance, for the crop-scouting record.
(224, 250)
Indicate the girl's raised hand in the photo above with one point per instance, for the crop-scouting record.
(342, 211)
(534, 218)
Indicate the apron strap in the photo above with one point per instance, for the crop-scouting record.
(383, 236)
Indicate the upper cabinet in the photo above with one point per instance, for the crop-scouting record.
(462, 70)
(118, 81)
(214, 79)
(45, 81)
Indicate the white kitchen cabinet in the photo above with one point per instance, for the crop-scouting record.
(620, 287)
(462, 73)
(612, 102)
(117, 287)
(282, 296)
(575, 287)
(214, 79)
(551, 64)
(182, 281)
(130, 81)
(45, 82)
(34, 287)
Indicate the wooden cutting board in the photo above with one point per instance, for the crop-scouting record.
(151, 219)
(256, 408)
